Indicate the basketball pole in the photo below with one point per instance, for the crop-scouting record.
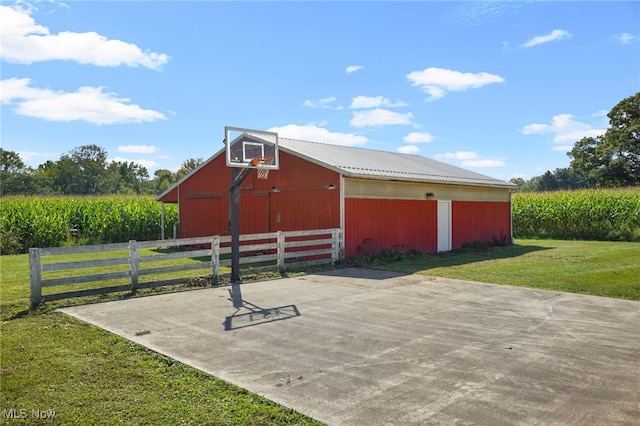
(238, 176)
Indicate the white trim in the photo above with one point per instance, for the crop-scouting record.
(342, 203)
(449, 225)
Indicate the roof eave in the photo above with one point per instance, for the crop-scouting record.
(503, 185)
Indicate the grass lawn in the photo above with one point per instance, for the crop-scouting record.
(89, 376)
(599, 268)
(53, 362)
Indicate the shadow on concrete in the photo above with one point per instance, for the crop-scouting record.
(255, 315)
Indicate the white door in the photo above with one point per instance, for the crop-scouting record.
(444, 225)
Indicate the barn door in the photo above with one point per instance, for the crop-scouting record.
(444, 225)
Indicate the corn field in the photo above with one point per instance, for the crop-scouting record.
(56, 221)
(605, 215)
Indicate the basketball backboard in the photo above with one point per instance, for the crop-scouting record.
(254, 149)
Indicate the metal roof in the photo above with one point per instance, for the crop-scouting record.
(374, 164)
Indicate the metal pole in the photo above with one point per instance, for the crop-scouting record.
(234, 200)
(237, 177)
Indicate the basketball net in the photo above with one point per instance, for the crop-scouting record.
(262, 166)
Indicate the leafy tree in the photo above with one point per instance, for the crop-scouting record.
(548, 182)
(567, 179)
(612, 159)
(188, 166)
(81, 172)
(163, 180)
(518, 181)
(127, 177)
(15, 176)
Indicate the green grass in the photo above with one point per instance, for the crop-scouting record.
(599, 268)
(51, 361)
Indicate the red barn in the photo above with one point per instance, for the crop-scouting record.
(379, 199)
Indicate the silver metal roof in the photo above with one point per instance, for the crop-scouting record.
(373, 164)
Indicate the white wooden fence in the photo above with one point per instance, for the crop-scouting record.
(275, 250)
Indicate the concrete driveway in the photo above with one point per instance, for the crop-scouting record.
(365, 347)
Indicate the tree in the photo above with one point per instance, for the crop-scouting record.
(127, 177)
(518, 181)
(84, 171)
(188, 166)
(15, 176)
(163, 179)
(612, 159)
(567, 179)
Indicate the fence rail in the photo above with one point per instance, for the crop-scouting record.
(259, 252)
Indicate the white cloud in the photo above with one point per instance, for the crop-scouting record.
(148, 164)
(322, 103)
(374, 102)
(471, 159)
(89, 104)
(34, 159)
(137, 149)
(379, 117)
(353, 68)
(483, 163)
(438, 81)
(460, 155)
(313, 133)
(408, 149)
(482, 12)
(24, 41)
(626, 38)
(564, 128)
(553, 35)
(563, 148)
(418, 137)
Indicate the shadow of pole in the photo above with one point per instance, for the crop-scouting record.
(256, 315)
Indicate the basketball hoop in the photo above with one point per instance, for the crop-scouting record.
(262, 166)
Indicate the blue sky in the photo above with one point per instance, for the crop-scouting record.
(501, 88)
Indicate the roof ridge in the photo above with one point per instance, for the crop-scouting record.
(353, 147)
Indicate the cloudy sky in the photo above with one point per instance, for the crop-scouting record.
(501, 88)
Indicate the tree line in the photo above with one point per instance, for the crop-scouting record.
(85, 171)
(606, 161)
(609, 160)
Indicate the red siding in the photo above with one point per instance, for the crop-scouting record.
(380, 223)
(301, 200)
(296, 198)
(479, 221)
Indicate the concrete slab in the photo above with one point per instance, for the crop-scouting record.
(358, 346)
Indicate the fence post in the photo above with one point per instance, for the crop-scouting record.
(215, 257)
(162, 223)
(35, 269)
(280, 250)
(335, 245)
(133, 264)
